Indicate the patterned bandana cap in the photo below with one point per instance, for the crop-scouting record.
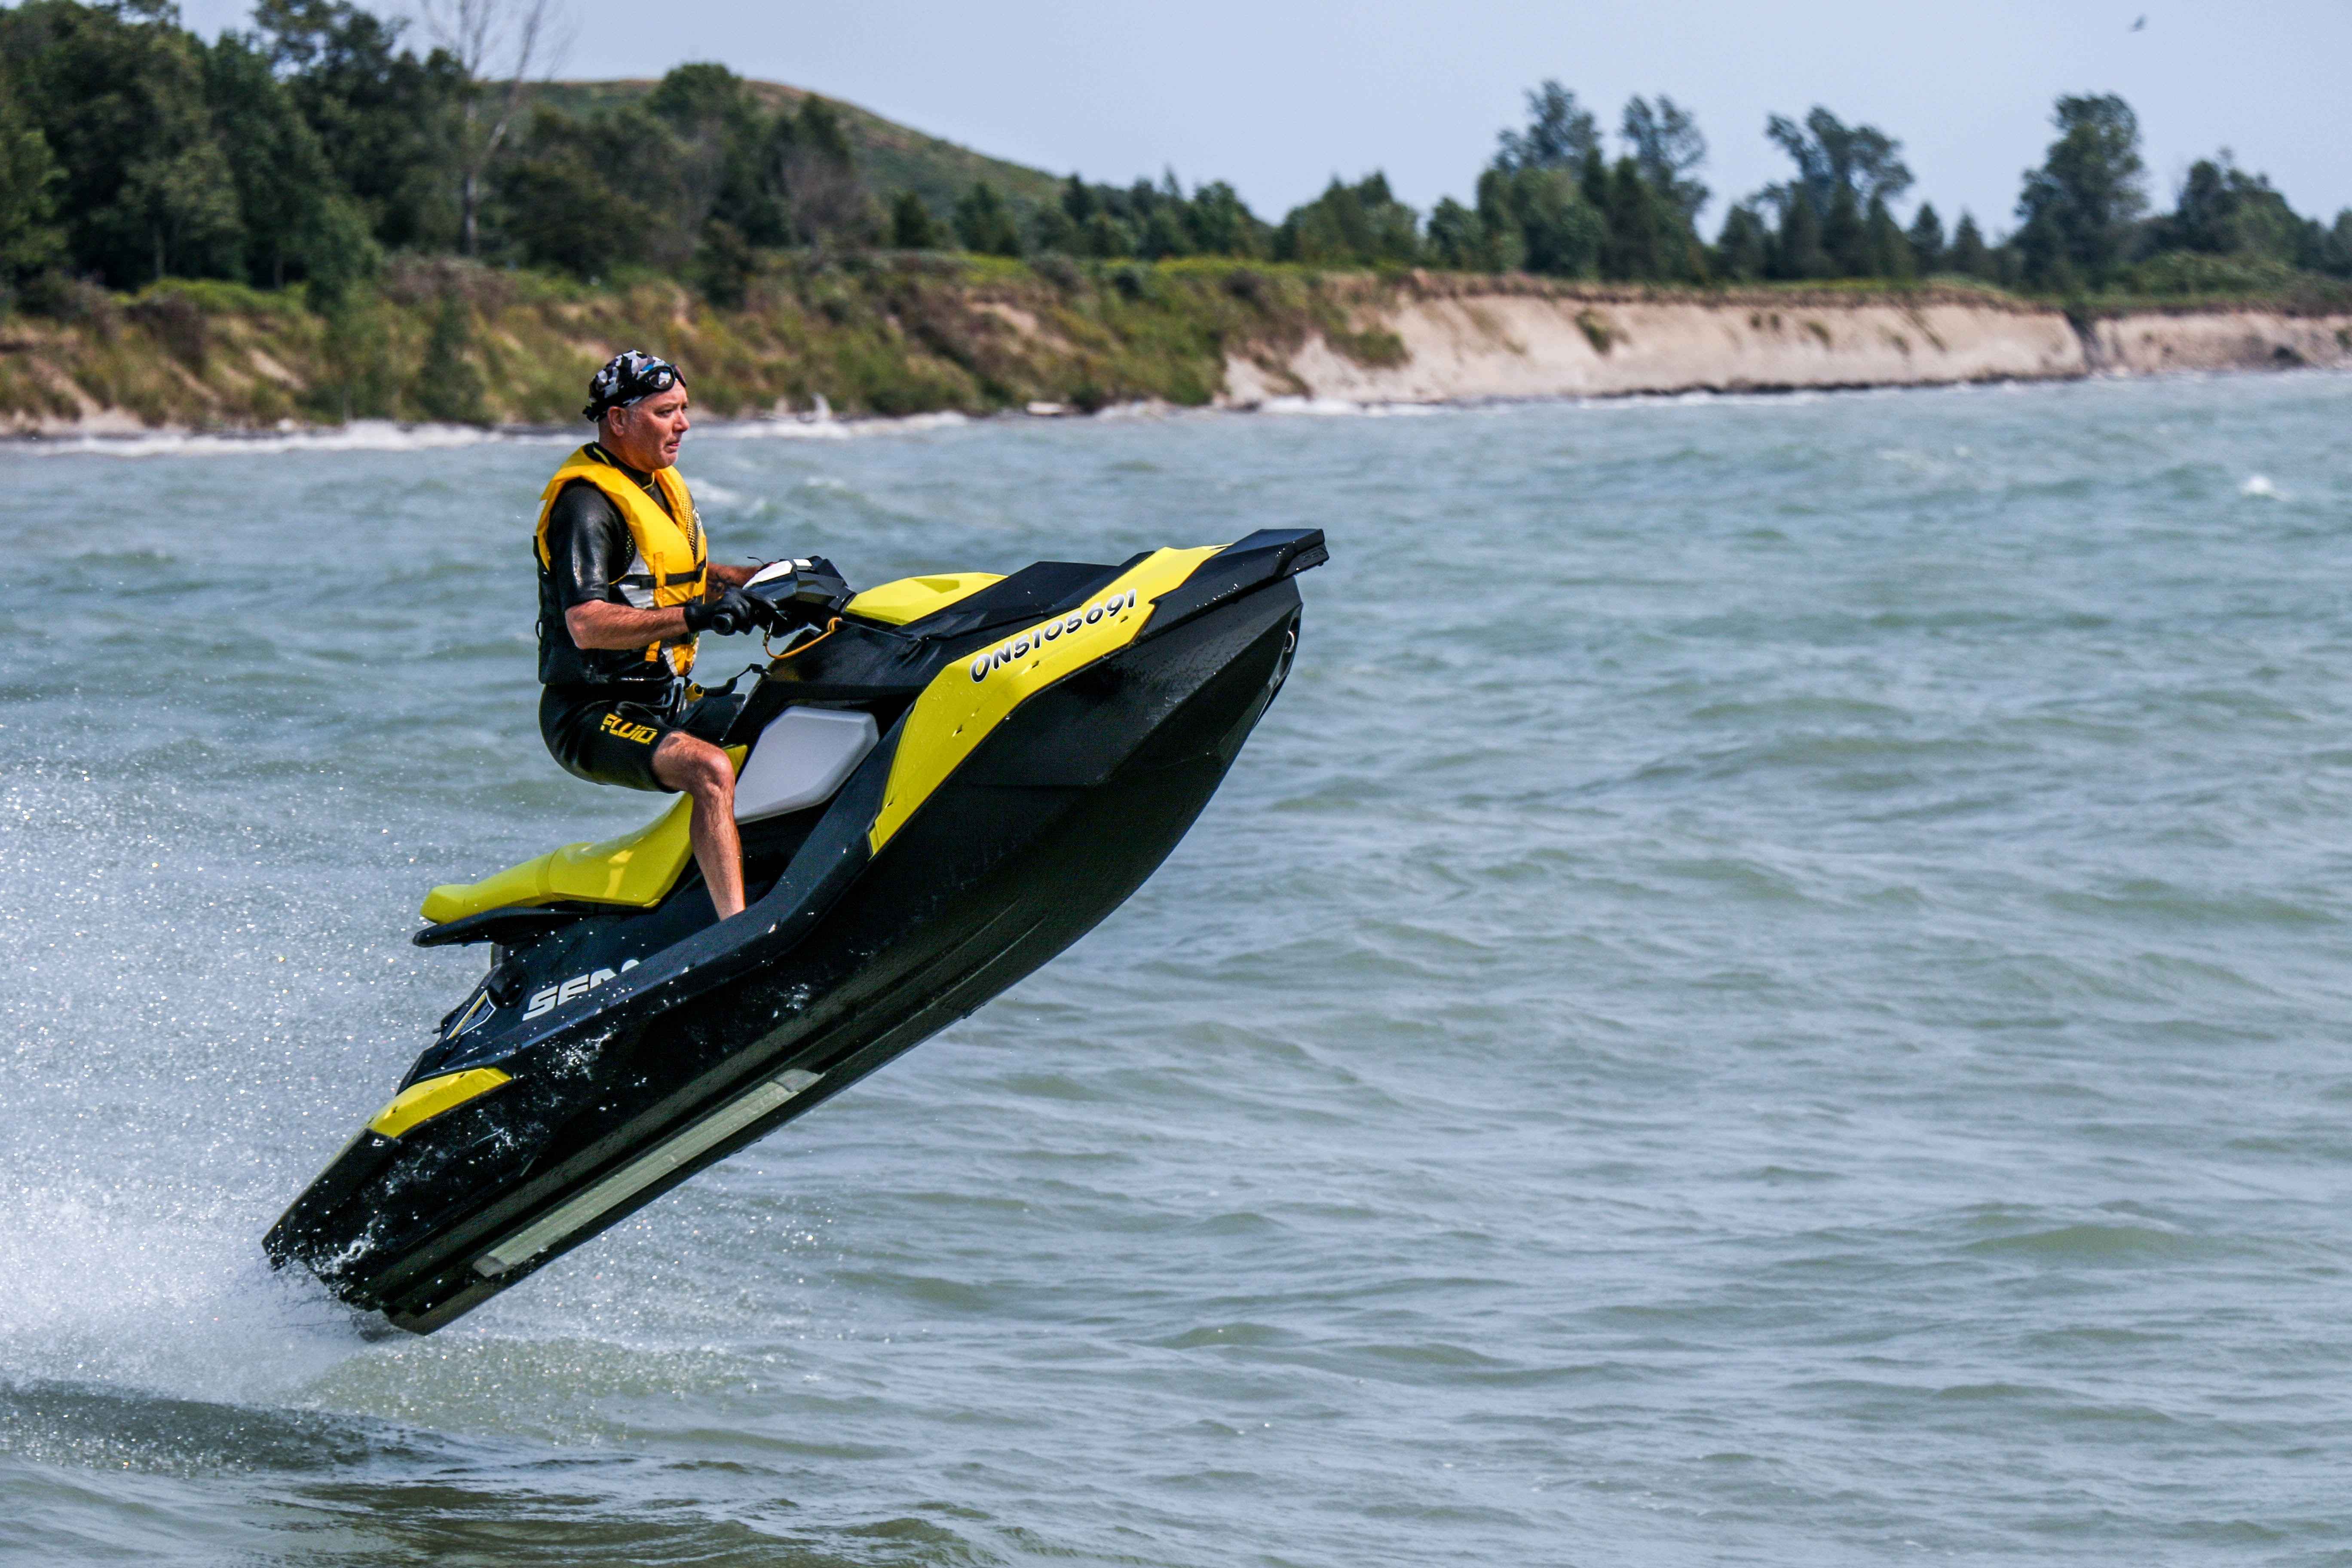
(628, 378)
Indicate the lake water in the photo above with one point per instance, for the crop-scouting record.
(1773, 991)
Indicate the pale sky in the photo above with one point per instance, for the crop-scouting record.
(1278, 95)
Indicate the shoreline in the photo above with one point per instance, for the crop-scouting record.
(390, 436)
(393, 436)
(1360, 343)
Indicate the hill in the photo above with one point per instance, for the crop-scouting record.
(894, 157)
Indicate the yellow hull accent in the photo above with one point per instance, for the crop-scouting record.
(421, 1103)
(956, 711)
(636, 870)
(912, 598)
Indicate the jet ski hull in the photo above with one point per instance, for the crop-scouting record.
(700, 1044)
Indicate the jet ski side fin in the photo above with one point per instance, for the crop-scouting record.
(421, 1103)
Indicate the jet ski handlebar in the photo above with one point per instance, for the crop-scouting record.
(808, 592)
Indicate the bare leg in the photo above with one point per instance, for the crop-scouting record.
(702, 771)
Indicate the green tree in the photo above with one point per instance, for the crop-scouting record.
(1105, 236)
(815, 168)
(1646, 233)
(1163, 235)
(1457, 241)
(586, 194)
(1476, 239)
(1559, 134)
(1149, 219)
(1797, 249)
(2205, 218)
(1845, 236)
(496, 46)
(985, 224)
(1969, 255)
(2079, 209)
(1890, 255)
(183, 206)
(2225, 211)
(1833, 156)
(338, 252)
(29, 240)
(1665, 142)
(274, 161)
(1222, 224)
(1592, 179)
(723, 134)
(725, 263)
(449, 386)
(119, 97)
(1502, 237)
(912, 228)
(1360, 224)
(2335, 248)
(1927, 239)
(1485, 238)
(1843, 172)
(386, 119)
(1563, 235)
(1741, 249)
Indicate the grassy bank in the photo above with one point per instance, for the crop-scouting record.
(888, 335)
(880, 335)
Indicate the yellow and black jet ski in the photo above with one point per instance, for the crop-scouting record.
(953, 784)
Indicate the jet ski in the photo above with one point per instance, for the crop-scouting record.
(941, 783)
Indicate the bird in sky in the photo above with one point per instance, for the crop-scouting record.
(2139, 25)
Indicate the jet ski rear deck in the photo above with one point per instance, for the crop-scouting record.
(1040, 742)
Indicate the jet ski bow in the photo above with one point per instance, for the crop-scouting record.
(939, 788)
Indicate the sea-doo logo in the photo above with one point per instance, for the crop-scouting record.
(1036, 637)
(571, 990)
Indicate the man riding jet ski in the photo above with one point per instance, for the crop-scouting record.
(625, 587)
(937, 786)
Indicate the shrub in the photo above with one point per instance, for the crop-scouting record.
(912, 228)
(985, 224)
(2187, 272)
(178, 323)
(449, 386)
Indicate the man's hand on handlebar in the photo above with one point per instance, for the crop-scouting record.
(732, 612)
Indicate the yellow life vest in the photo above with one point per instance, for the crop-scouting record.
(671, 542)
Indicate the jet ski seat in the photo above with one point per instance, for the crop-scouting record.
(635, 870)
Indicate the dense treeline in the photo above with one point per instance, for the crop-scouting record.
(306, 148)
(1552, 201)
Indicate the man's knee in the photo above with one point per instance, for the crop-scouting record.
(698, 767)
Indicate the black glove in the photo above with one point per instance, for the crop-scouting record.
(733, 611)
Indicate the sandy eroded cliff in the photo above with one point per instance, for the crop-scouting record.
(1470, 345)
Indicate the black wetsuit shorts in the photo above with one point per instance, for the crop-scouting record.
(607, 735)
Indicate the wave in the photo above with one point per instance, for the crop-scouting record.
(359, 436)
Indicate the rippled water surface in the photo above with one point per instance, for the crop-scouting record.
(1773, 991)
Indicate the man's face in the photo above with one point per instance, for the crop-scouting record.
(648, 435)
